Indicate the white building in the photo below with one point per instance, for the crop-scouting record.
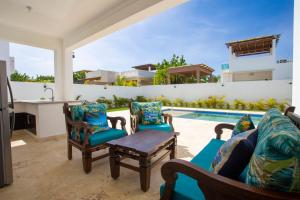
(142, 74)
(255, 59)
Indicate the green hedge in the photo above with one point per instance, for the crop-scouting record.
(214, 102)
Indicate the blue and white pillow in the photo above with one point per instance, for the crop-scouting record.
(235, 154)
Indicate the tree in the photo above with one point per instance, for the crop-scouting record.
(44, 78)
(121, 81)
(16, 76)
(78, 76)
(160, 76)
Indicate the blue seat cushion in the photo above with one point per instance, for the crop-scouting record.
(103, 136)
(186, 188)
(158, 127)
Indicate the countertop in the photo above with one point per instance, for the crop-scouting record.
(44, 101)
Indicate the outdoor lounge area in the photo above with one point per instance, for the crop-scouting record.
(207, 139)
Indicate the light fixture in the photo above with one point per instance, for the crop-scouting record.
(29, 8)
(291, 83)
(105, 87)
(73, 55)
(174, 86)
(222, 85)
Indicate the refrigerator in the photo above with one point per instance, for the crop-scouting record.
(6, 127)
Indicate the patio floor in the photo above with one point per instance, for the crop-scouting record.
(42, 170)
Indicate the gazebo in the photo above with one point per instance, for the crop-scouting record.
(197, 70)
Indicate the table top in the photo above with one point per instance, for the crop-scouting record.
(146, 142)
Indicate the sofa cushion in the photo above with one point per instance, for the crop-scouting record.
(158, 127)
(186, 188)
(235, 154)
(103, 136)
(275, 163)
(244, 124)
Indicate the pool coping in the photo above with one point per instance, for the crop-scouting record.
(216, 110)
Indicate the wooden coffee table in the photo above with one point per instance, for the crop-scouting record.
(141, 146)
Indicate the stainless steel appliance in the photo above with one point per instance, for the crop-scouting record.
(6, 127)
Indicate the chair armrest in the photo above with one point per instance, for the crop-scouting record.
(114, 121)
(215, 186)
(77, 126)
(219, 129)
(168, 118)
(134, 120)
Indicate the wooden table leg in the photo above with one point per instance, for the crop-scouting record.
(145, 173)
(173, 149)
(114, 161)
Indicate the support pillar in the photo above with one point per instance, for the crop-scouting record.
(169, 78)
(63, 71)
(296, 59)
(198, 76)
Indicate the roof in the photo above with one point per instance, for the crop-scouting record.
(253, 46)
(85, 70)
(188, 69)
(145, 67)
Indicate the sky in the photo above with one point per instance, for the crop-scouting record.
(198, 30)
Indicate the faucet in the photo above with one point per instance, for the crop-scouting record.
(48, 88)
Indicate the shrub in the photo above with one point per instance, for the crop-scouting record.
(251, 105)
(200, 103)
(271, 103)
(260, 105)
(120, 101)
(163, 100)
(239, 104)
(178, 102)
(221, 102)
(141, 99)
(108, 102)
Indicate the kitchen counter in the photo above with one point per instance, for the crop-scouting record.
(44, 101)
(48, 115)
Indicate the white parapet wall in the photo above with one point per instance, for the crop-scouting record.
(248, 91)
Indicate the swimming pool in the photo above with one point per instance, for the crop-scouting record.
(219, 116)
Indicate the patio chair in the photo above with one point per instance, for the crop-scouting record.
(136, 118)
(80, 137)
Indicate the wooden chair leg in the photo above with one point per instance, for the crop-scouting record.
(69, 151)
(87, 161)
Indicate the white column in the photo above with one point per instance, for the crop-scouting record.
(296, 59)
(63, 74)
(274, 50)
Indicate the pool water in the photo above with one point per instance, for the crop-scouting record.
(213, 116)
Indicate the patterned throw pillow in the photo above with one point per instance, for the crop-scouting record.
(138, 107)
(151, 116)
(244, 124)
(234, 155)
(275, 163)
(95, 116)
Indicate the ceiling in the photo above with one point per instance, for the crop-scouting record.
(56, 18)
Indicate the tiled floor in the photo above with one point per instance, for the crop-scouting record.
(42, 171)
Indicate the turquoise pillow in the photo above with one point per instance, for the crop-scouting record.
(95, 116)
(275, 163)
(244, 124)
(234, 155)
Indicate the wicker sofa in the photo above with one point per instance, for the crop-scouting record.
(193, 180)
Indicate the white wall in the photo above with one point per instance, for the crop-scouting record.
(283, 71)
(4, 54)
(92, 92)
(296, 59)
(30, 91)
(249, 91)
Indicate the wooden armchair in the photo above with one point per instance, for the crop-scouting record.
(135, 122)
(214, 186)
(79, 136)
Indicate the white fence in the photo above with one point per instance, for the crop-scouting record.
(248, 91)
